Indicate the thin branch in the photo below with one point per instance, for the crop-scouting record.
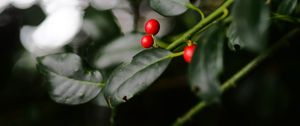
(196, 36)
(193, 7)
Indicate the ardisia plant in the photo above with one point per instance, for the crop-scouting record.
(126, 64)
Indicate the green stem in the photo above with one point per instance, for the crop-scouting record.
(193, 7)
(175, 54)
(285, 18)
(202, 23)
(112, 117)
(101, 85)
(172, 55)
(197, 36)
(232, 81)
(160, 43)
(180, 121)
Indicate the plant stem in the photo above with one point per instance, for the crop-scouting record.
(285, 18)
(160, 43)
(237, 76)
(193, 7)
(176, 54)
(172, 55)
(197, 36)
(101, 85)
(112, 117)
(202, 23)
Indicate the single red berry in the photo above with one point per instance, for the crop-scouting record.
(147, 41)
(188, 52)
(152, 27)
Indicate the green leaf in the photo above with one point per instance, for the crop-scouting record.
(169, 7)
(124, 16)
(118, 50)
(207, 64)
(234, 41)
(131, 78)
(69, 81)
(251, 20)
(104, 4)
(104, 25)
(287, 7)
(98, 29)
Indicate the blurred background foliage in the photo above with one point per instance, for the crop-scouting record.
(267, 96)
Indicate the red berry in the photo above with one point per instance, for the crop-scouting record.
(147, 41)
(152, 27)
(188, 52)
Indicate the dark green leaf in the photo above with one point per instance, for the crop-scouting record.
(251, 20)
(287, 6)
(234, 41)
(104, 4)
(131, 78)
(169, 7)
(125, 16)
(118, 50)
(103, 25)
(207, 64)
(69, 81)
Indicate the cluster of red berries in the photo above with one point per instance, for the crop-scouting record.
(151, 28)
